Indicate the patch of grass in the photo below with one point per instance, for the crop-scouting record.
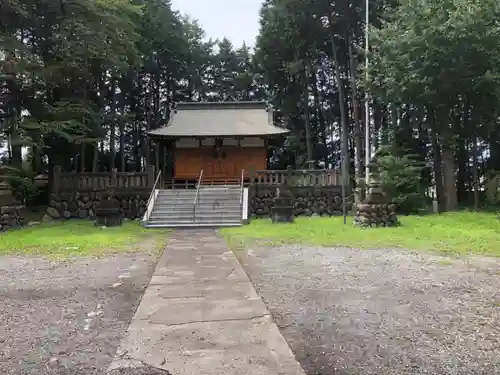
(79, 238)
(451, 233)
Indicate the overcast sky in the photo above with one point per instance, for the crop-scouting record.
(238, 20)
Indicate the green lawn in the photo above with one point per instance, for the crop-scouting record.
(459, 233)
(78, 238)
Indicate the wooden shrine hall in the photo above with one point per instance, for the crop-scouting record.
(222, 139)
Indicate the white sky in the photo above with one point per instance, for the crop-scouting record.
(238, 20)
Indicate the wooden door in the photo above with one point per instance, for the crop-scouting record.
(226, 164)
(220, 165)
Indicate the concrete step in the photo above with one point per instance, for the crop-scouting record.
(198, 217)
(189, 210)
(203, 188)
(210, 208)
(190, 219)
(200, 198)
(190, 225)
(216, 206)
(198, 212)
(203, 194)
(222, 204)
(178, 202)
(174, 223)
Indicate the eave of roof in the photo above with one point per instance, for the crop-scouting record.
(219, 119)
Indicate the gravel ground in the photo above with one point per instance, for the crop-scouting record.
(384, 312)
(67, 318)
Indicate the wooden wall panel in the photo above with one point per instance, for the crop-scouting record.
(190, 161)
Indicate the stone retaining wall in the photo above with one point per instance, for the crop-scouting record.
(309, 200)
(11, 218)
(82, 204)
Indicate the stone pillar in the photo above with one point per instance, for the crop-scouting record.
(284, 203)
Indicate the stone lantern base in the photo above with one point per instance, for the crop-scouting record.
(108, 213)
(375, 211)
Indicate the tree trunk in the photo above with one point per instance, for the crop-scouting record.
(320, 116)
(122, 130)
(82, 161)
(149, 108)
(95, 157)
(35, 160)
(437, 163)
(17, 150)
(100, 145)
(475, 173)
(358, 133)
(449, 177)
(112, 135)
(136, 148)
(378, 123)
(494, 146)
(306, 115)
(462, 153)
(343, 115)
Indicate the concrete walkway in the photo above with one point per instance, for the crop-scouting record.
(200, 315)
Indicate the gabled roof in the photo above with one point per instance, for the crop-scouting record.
(219, 119)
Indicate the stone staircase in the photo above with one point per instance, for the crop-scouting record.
(216, 206)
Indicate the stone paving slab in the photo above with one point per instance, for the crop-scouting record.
(211, 290)
(252, 346)
(201, 315)
(188, 310)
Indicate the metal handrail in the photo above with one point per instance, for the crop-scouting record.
(200, 178)
(242, 183)
(152, 196)
(241, 192)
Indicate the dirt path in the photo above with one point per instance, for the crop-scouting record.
(384, 312)
(67, 318)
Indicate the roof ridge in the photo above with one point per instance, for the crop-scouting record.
(221, 105)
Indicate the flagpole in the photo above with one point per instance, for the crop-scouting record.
(367, 97)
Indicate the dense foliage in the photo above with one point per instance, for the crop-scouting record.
(433, 84)
(400, 175)
(82, 81)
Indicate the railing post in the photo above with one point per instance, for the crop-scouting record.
(56, 179)
(289, 175)
(114, 181)
(74, 180)
(252, 175)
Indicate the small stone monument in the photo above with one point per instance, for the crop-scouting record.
(11, 217)
(284, 203)
(108, 212)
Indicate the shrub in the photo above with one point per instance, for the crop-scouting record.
(400, 176)
(21, 181)
(492, 188)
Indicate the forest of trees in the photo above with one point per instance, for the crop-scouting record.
(82, 81)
